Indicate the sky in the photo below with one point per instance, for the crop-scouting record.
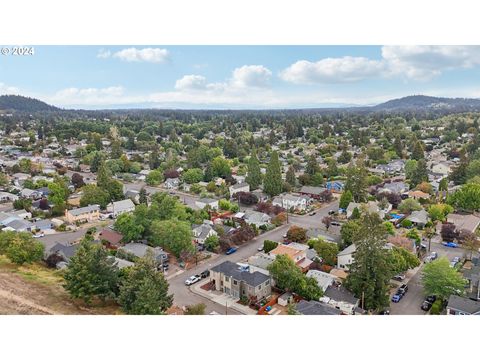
(238, 77)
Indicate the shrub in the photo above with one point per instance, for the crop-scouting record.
(436, 307)
(269, 245)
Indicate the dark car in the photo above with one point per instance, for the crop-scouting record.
(403, 289)
(331, 212)
(426, 306)
(384, 312)
(431, 298)
(205, 274)
(230, 250)
(335, 223)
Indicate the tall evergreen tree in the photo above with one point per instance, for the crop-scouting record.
(398, 146)
(144, 290)
(370, 272)
(273, 177)
(418, 151)
(357, 181)
(420, 174)
(254, 176)
(312, 166)
(290, 176)
(91, 273)
(142, 199)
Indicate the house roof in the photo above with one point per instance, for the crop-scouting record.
(123, 205)
(419, 216)
(111, 236)
(463, 304)
(231, 269)
(140, 250)
(323, 279)
(85, 209)
(282, 249)
(465, 222)
(418, 194)
(348, 250)
(314, 190)
(67, 250)
(340, 293)
(316, 308)
(19, 224)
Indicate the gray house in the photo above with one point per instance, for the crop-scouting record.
(141, 250)
(316, 308)
(458, 305)
(237, 281)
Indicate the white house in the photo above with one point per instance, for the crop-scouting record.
(288, 201)
(323, 279)
(121, 207)
(256, 217)
(345, 257)
(6, 196)
(240, 187)
(201, 203)
(202, 232)
(172, 183)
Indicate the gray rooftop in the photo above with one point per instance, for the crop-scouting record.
(316, 308)
(84, 210)
(340, 293)
(463, 304)
(231, 269)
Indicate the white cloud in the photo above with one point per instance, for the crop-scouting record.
(418, 63)
(8, 90)
(104, 54)
(251, 76)
(332, 70)
(153, 55)
(426, 62)
(191, 82)
(73, 96)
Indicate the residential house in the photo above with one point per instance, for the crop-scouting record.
(7, 197)
(121, 207)
(417, 195)
(340, 298)
(335, 186)
(314, 192)
(111, 238)
(296, 252)
(237, 281)
(30, 194)
(458, 305)
(256, 218)
(372, 207)
(172, 183)
(324, 280)
(202, 232)
(464, 222)
(313, 307)
(291, 201)
(201, 203)
(397, 187)
(441, 169)
(314, 233)
(402, 241)
(122, 263)
(418, 218)
(239, 187)
(472, 275)
(84, 214)
(345, 257)
(141, 250)
(133, 195)
(44, 225)
(19, 225)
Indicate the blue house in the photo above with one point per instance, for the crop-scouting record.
(335, 185)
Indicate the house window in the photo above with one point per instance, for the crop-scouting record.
(227, 279)
(267, 282)
(259, 287)
(243, 291)
(235, 282)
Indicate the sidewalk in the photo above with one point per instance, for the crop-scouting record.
(221, 298)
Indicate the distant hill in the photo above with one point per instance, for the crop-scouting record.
(422, 102)
(22, 103)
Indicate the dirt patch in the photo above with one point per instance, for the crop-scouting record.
(37, 290)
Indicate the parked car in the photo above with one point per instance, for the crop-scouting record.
(399, 277)
(335, 223)
(331, 212)
(403, 289)
(434, 255)
(192, 280)
(384, 312)
(456, 259)
(205, 274)
(428, 302)
(450, 244)
(230, 250)
(38, 236)
(396, 298)
(284, 236)
(312, 213)
(260, 248)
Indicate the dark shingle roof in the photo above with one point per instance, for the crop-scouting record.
(316, 308)
(231, 269)
(340, 293)
(463, 304)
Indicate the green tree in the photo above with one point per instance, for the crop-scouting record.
(193, 176)
(312, 166)
(154, 177)
(58, 192)
(327, 251)
(254, 175)
(410, 168)
(348, 231)
(126, 225)
(467, 198)
(269, 245)
(92, 194)
(420, 174)
(441, 280)
(418, 151)
(22, 248)
(144, 290)
(398, 146)
(357, 181)
(142, 196)
(409, 205)
(273, 177)
(173, 235)
(212, 242)
(439, 212)
(345, 199)
(370, 271)
(290, 176)
(91, 273)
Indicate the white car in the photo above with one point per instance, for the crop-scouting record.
(260, 248)
(192, 280)
(36, 236)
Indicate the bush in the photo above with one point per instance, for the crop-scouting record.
(437, 307)
(269, 245)
(407, 223)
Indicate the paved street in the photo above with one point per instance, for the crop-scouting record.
(411, 302)
(183, 295)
